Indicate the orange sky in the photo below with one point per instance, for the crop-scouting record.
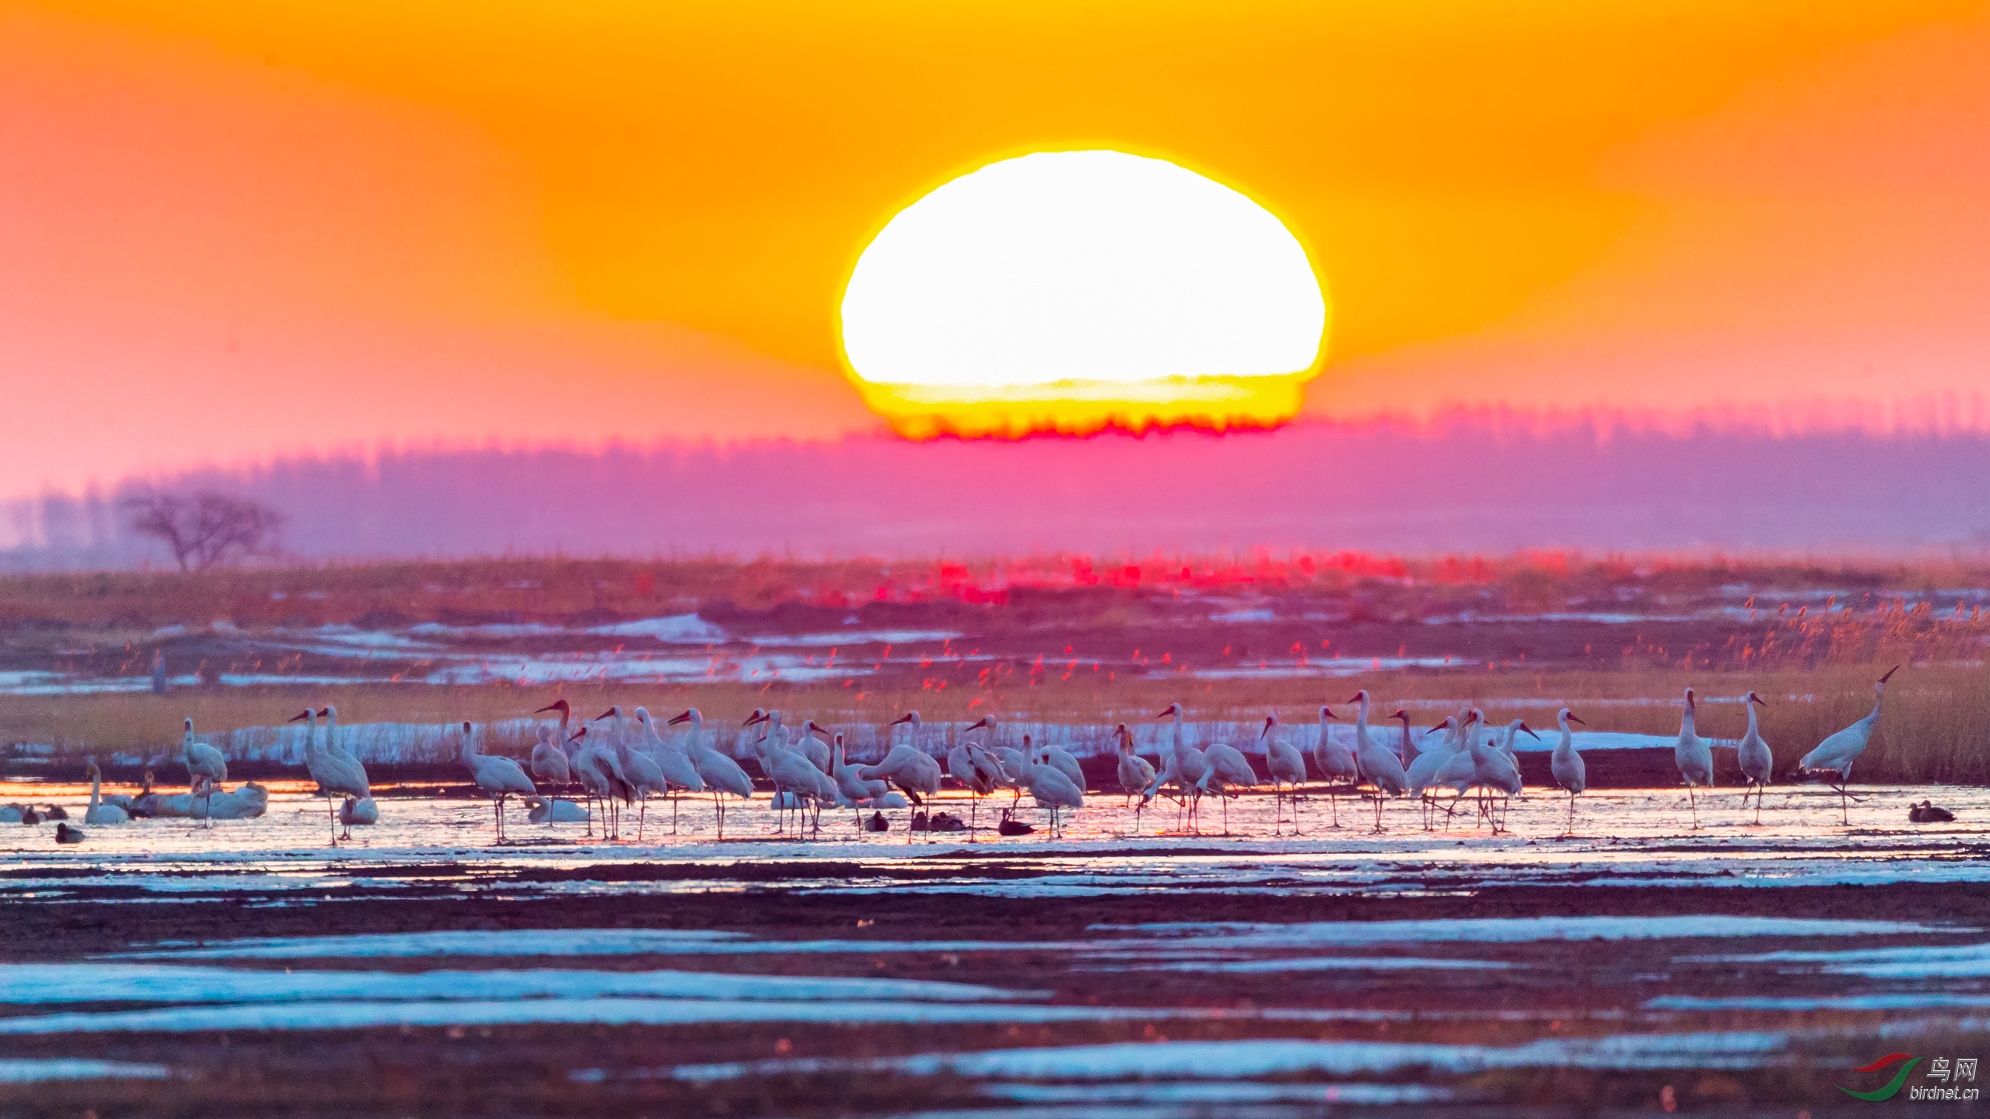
(234, 230)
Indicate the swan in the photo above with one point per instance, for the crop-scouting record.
(1836, 754)
(1694, 756)
(1758, 764)
(721, 774)
(358, 812)
(99, 812)
(1567, 765)
(540, 810)
(498, 776)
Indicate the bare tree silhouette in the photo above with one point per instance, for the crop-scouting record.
(206, 528)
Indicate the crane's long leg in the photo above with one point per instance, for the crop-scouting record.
(1693, 804)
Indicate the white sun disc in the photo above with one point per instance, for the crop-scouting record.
(1089, 266)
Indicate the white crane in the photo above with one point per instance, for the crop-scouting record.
(1694, 756)
(1336, 763)
(908, 767)
(552, 767)
(1052, 787)
(1493, 769)
(1228, 769)
(99, 812)
(790, 772)
(976, 769)
(721, 774)
(205, 766)
(1183, 766)
(334, 777)
(815, 749)
(637, 768)
(1758, 764)
(496, 775)
(1287, 767)
(673, 761)
(600, 775)
(853, 788)
(1135, 772)
(1835, 755)
(1376, 765)
(1063, 759)
(335, 744)
(1567, 765)
(1422, 773)
(549, 762)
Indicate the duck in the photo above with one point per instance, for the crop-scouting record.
(1927, 812)
(66, 834)
(358, 812)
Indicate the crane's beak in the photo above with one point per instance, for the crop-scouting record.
(556, 705)
(304, 714)
(1529, 730)
(1401, 713)
(1355, 698)
(1329, 711)
(676, 719)
(901, 719)
(981, 724)
(606, 713)
(1574, 719)
(755, 720)
(1165, 714)
(324, 712)
(578, 737)
(1889, 674)
(1756, 699)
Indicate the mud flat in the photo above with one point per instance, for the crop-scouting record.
(247, 969)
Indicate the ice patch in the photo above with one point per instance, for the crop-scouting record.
(1265, 1057)
(1325, 963)
(1511, 930)
(41, 1070)
(677, 629)
(43, 984)
(1961, 961)
(590, 1011)
(564, 942)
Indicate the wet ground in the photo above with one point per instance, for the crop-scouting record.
(248, 969)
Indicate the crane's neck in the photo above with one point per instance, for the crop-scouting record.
(1568, 736)
(1751, 717)
(1686, 721)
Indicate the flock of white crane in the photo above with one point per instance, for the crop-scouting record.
(613, 765)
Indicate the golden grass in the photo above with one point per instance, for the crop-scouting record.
(1933, 729)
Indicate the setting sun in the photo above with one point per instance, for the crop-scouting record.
(1072, 291)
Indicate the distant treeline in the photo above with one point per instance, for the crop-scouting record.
(1477, 485)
